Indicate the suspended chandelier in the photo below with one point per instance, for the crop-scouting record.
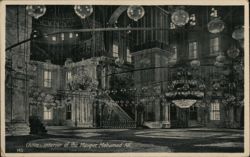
(83, 11)
(238, 33)
(233, 52)
(220, 59)
(180, 17)
(185, 87)
(135, 12)
(36, 11)
(216, 25)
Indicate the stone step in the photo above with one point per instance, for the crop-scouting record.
(157, 124)
(14, 129)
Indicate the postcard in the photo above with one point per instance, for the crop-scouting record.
(124, 78)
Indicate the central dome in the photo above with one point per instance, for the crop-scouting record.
(63, 45)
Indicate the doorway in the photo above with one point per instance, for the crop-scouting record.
(183, 117)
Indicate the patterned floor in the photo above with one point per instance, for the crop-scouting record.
(63, 139)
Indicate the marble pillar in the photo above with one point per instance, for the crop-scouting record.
(166, 115)
(18, 26)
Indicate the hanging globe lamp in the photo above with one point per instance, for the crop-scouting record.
(241, 43)
(238, 33)
(135, 12)
(233, 52)
(216, 26)
(36, 11)
(220, 58)
(83, 11)
(218, 64)
(195, 63)
(180, 17)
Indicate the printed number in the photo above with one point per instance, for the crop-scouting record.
(20, 150)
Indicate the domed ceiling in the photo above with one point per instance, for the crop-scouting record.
(78, 45)
(67, 44)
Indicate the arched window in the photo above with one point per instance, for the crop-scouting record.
(215, 110)
(214, 45)
(129, 57)
(115, 50)
(47, 78)
(68, 111)
(193, 50)
(47, 113)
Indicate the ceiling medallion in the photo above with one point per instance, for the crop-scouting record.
(83, 11)
(135, 12)
(36, 11)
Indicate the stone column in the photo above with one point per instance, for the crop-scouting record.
(94, 116)
(157, 110)
(18, 28)
(166, 115)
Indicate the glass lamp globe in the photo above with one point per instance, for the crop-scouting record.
(233, 52)
(180, 17)
(216, 86)
(35, 34)
(238, 34)
(202, 87)
(83, 11)
(220, 58)
(135, 12)
(216, 26)
(241, 43)
(195, 63)
(218, 64)
(36, 11)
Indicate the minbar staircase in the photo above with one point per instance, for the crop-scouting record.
(118, 119)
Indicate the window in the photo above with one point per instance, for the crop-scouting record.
(174, 57)
(54, 38)
(68, 76)
(115, 50)
(193, 112)
(62, 36)
(70, 35)
(193, 48)
(47, 113)
(173, 112)
(47, 78)
(172, 26)
(129, 57)
(68, 111)
(214, 45)
(215, 111)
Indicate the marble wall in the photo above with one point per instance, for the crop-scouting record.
(18, 28)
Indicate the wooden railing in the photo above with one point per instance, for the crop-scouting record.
(118, 124)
